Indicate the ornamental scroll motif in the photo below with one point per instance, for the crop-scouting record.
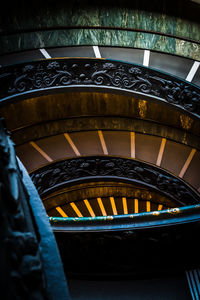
(42, 76)
(64, 172)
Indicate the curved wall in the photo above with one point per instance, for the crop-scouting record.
(156, 25)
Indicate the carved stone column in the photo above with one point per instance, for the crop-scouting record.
(24, 256)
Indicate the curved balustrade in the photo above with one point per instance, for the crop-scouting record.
(50, 76)
(173, 216)
(70, 171)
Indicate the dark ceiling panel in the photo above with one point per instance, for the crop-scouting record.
(54, 213)
(95, 206)
(125, 54)
(147, 147)
(107, 205)
(69, 211)
(117, 142)
(81, 51)
(82, 208)
(57, 147)
(172, 64)
(174, 157)
(30, 157)
(192, 174)
(20, 57)
(130, 205)
(87, 143)
(196, 79)
(142, 206)
(119, 205)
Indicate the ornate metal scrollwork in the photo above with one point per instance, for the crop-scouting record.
(44, 75)
(63, 172)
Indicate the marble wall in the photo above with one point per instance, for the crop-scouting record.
(172, 28)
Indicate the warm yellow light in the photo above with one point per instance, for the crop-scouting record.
(103, 211)
(89, 208)
(103, 143)
(133, 144)
(124, 202)
(63, 214)
(187, 163)
(160, 206)
(47, 157)
(148, 205)
(114, 209)
(75, 208)
(161, 151)
(136, 206)
(68, 138)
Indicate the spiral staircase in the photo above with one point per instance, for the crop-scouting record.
(109, 134)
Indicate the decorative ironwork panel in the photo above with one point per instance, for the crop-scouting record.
(100, 167)
(44, 76)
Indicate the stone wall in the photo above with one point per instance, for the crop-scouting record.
(165, 26)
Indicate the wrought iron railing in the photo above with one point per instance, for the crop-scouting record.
(47, 76)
